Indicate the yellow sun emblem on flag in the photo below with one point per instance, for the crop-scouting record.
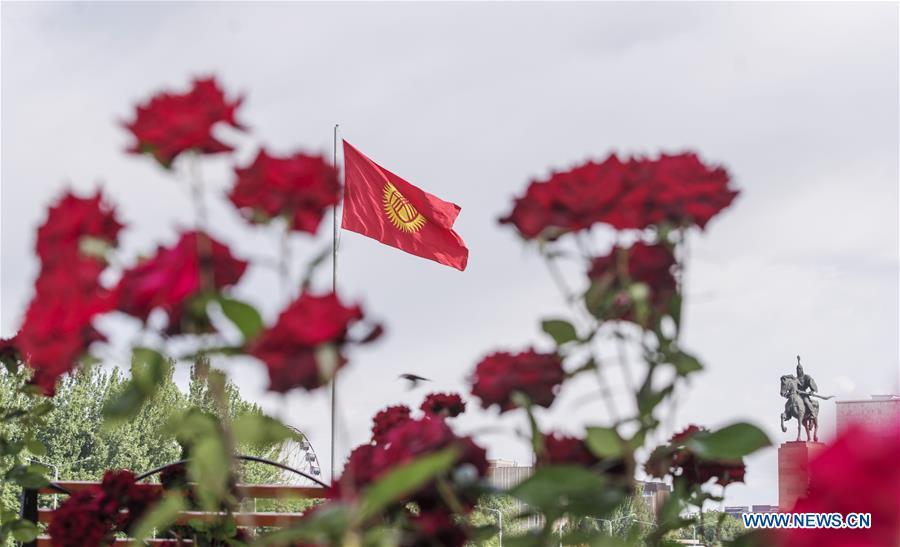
(401, 212)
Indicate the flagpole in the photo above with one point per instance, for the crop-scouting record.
(334, 236)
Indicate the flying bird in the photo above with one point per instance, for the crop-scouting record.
(413, 379)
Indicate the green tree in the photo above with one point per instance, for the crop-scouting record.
(80, 446)
(486, 513)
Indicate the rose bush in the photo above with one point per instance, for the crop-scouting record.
(418, 479)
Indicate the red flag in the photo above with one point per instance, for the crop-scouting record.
(383, 206)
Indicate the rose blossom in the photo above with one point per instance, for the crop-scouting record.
(681, 462)
(169, 279)
(499, 375)
(172, 123)
(57, 328)
(612, 273)
(565, 449)
(298, 187)
(570, 201)
(448, 405)
(69, 222)
(637, 193)
(857, 473)
(387, 419)
(90, 517)
(289, 348)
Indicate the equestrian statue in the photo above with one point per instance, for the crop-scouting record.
(800, 391)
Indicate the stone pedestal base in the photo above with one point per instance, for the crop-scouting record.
(793, 471)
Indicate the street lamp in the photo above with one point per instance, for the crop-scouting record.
(610, 521)
(499, 523)
(56, 472)
(55, 476)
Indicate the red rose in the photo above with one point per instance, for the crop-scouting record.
(386, 420)
(446, 405)
(570, 201)
(70, 223)
(679, 190)
(564, 449)
(499, 375)
(404, 442)
(171, 123)
(289, 348)
(681, 462)
(90, 517)
(78, 522)
(684, 190)
(297, 187)
(359, 470)
(412, 439)
(117, 483)
(57, 328)
(612, 274)
(174, 275)
(436, 527)
(857, 473)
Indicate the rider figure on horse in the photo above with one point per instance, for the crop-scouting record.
(805, 385)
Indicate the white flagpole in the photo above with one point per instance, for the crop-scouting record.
(334, 237)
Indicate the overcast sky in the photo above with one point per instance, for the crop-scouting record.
(469, 101)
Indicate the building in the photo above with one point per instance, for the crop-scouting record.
(736, 510)
(655, 494)
(505, 474)
(880, 413)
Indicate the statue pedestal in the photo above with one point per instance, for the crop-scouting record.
(793, 471)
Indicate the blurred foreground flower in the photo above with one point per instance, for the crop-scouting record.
(299, 188)
(683, 463)
(172, 123)
(679, 190)
(196, 265)
(90, 517)
(499, 375)
(858, 473)
(446, 405)
(303, 348)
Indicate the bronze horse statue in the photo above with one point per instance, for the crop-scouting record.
(799, 405)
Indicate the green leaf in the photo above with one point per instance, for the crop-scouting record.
(159, 517)
(148, 366)
(560, 330)
(259, 429)
(404, 480)
(10, 448)
(243, 315)
(685, 364)
(209, 465)
(24, 530)
(36, 447)
(729, 443)
(604, 442)
(29, 476)
(568, 489)
(149, 369)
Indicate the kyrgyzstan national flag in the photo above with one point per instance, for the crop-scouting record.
(381, 205)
